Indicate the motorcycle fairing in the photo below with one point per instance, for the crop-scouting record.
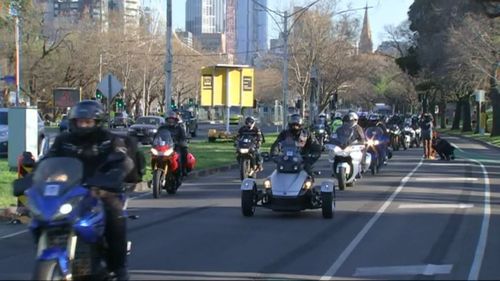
(287, 184)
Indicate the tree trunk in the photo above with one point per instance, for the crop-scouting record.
(458, 116)
(466, 125)
(442, 112)
(495, 102)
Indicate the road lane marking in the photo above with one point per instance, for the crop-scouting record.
(436, 206)
(483, 236)
(445, 179)
(13, 234)
(354, 243)
(217, 275)
(427, 270)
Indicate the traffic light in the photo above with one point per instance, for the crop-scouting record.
(98, 95)
(119, 103)
(298, 104)
(172, 104)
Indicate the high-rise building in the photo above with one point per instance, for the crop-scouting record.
(205, 16)
(365, 40)
(72, 11)
(251, 29)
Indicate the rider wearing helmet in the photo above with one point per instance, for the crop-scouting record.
(310, 149)
(91, 143)
(250, 128)
(178, 134)
(351, 120)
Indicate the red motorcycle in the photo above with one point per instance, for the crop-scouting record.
(165, 164)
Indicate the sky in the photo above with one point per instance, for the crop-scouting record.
(383, 13)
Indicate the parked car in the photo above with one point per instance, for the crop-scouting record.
(145, 128)
(191, 123)
(121, 121)
(4, 131)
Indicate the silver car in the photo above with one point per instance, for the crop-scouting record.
(4, 131)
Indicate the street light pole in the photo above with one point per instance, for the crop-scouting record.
(168, 59)
(285, 69)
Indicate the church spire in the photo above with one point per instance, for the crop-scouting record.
(365, 40)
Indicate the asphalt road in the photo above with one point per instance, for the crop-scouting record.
(415, 220)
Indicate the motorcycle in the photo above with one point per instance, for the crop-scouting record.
(407, 136)
(395, 136)
(377, 148)
(245, 155)
(289, 188)
(418, 136)
(346, 157)
(68, 220)
(165, 165)
(321, 134)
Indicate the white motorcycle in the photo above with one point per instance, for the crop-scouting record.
(346, 157)
(408, 136)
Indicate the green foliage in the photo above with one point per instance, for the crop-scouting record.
(6, 179)
(409, 63)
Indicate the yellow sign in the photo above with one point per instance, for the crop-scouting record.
(227, 85)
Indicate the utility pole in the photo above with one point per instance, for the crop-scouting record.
(168, 59)
(285, 69)
(18, 57)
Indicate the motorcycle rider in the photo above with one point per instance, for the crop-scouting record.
(88, 141)
(351, 121)
(310, 149)
(250, 128)
(178, 133)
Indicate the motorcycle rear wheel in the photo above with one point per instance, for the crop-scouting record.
(47, 270)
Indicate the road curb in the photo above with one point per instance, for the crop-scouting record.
(489, 145)
(143, 186)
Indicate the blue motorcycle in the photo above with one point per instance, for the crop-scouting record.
(68, 222)
(377, 145)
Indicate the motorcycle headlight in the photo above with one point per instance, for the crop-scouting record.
(153, 130)
(67, 208)
(321, 131)
(267, 184)
(154, 151)
(169, 152)
(244, 150)
(307, 185)
(337, 150)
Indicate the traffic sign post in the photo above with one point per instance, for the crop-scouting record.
(110, 86)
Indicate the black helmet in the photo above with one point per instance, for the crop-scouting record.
(295, 123)
(87, 109)
(249, 121)
(171, 118)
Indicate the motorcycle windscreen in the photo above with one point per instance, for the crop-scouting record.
(287, 184)
(245, 141)
(55, 175)
(374, 133)
(162, 138)
(343, 137)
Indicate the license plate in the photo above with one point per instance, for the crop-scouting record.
(51, 190)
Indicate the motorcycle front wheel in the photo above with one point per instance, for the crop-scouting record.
(47, 270)
(245, 167)
(341, 178)
(156, 184)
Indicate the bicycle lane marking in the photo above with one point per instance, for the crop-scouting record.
(355, 242)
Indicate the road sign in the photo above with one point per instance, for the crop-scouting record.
(110, 86)
(479, 95)
(66, 97)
